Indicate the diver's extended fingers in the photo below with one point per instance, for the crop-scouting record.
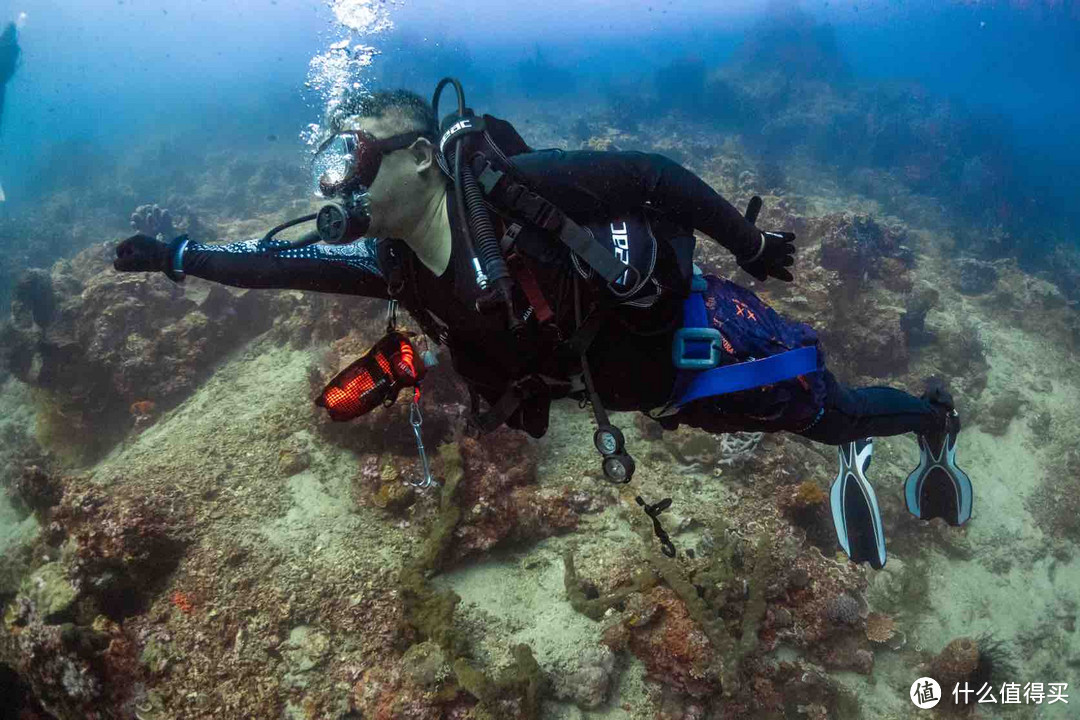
(784, 275)
(132, 253)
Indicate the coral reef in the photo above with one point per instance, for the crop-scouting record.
(999, 411)
(975, 277)
(1055, 502)
(153, 221)
(589, 684)
(92, 342)
(807, 505)
(919, 302)
(119, 547)
(694, 448)
(880, 628)
(956, 661)
(658, 629)
(258, 578)
(859, 247)
(980, 661)
(61, 632)
(516, 692)
(34, 486)
(499, 501)
(107, 351)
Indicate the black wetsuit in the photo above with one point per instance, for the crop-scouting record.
(630, 358)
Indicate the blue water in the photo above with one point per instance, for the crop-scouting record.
(108, 74)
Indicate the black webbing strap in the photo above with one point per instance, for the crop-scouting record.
(577, 344)
(505, 406)
(397, 263)
(535, 209)
(497, 414)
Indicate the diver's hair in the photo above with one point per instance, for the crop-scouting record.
(415, 112)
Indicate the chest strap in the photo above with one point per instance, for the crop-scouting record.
(696, 353)
(534, 209)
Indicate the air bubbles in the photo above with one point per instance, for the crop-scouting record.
(342, 68)
(363, 17)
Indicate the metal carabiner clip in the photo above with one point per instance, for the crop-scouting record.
(391, 315)
(416, 420)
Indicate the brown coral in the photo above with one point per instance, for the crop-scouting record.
(498, 499)
(808, 494)
(675, 651)
(390, 691)
(880, 628)
(956, 662)
(123, 545)
(92, 341)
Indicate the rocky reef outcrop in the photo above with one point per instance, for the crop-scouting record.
(93, 342)
(108, 351)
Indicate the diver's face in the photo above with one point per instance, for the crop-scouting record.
(398, 187)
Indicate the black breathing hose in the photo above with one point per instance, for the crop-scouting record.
(491, 257)
(479, 232)
(304, 240)
(483, 231)
(459, 193)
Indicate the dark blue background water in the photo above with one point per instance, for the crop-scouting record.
(100, 77)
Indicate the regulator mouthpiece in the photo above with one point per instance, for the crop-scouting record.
(339, 223)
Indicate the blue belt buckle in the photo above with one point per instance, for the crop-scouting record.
(680, 345)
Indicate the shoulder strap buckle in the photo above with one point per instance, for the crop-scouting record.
(489, 177)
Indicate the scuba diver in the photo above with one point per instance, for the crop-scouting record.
(9, 61)
(551, 274)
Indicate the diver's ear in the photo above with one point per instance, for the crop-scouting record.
(423, 153)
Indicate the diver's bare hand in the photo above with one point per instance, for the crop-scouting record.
(153, 221)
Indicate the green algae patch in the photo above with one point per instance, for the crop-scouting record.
(520, 682)
(155, 656)
(429, 559)
(703, 599)
(594, 608)
(430, 612)
(754, 613)
(51, 592)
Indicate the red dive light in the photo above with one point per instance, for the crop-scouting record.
(375, 379)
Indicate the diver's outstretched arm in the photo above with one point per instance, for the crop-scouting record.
(588, 184)
(351, 269)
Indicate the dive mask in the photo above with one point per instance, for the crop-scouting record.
(346, 165)
(349, 161)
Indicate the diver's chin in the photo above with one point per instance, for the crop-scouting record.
(376, 225)
(375, 229)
